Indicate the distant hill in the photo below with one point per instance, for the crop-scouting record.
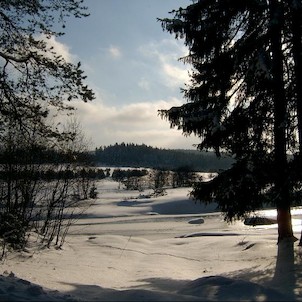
(132, 155)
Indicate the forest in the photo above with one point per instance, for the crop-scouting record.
(134, 155)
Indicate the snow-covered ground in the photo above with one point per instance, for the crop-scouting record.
(157, 249)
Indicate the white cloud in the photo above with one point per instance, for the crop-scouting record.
(166, 54)
(60, 49)
(114, 52)
(176, 76)
(134, 123)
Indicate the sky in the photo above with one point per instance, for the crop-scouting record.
(132, 65)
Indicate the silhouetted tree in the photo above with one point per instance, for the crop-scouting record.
(244, 98)
(36, 84)
(33, 77)
(183, 177)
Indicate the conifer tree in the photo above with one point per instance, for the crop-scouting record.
(245, 98)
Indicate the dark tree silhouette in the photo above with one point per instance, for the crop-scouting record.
(34, 79)
(36, 84)
(244, 98)
(131, 155)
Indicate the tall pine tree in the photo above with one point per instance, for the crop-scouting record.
(245, 97)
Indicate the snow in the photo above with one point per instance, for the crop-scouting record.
(167, 248)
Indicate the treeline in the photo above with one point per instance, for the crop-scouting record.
(133, 155)
(41, 154)
(49, 173)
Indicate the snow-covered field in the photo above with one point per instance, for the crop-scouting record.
(157, 249)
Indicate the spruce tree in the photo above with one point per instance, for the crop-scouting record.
(244, 98)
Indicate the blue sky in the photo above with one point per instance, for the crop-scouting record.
(132, 65)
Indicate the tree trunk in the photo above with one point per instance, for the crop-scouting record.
(296, 10)
(280, 106)
(284, 224)
(297, 55)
